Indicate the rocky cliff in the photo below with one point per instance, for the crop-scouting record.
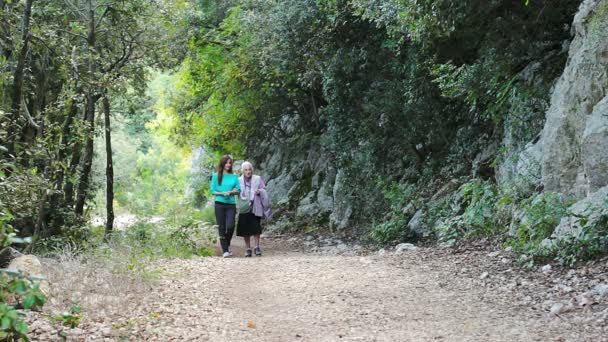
(305, 185)
(574, 141)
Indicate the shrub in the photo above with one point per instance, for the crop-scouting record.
(589, 242)
(394, 226)
(542, 213)
(17, 293)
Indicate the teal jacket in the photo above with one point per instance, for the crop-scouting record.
(229, 182)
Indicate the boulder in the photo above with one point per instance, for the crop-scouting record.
(523, 170)
(403, 247)
(588, 207)
(30, 266)
(418, 226)
(342, 210)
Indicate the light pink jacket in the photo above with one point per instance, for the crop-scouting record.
(262, 206)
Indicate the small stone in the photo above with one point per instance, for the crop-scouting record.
(556, 309)
(365, 260)
(585, 300)
(565, 289)
(601, 289)
(484, 275)
(402, 247)
(546, 269)
(381, 251)
(494, 254)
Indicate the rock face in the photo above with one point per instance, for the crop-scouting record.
(589, 207)
(574, 140)
(304, 184)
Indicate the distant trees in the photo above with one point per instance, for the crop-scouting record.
(58, 59)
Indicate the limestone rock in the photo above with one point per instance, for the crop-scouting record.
(417, 224)
(403, 247)
(30, 266)
(588, 207)
(575, 135)
(524, 169)
(343, 210)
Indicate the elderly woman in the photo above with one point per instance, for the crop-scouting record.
(252, 187)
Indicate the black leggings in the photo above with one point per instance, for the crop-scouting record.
(224, 216)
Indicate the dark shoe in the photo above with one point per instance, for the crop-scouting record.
(248, 253)
(258, 251)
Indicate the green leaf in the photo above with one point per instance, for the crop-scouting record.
(29, 302)
(21, 328)
(5, 323)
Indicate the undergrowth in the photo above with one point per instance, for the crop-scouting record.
(480, 209)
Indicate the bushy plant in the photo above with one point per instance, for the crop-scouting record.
(587, 241)
(179, 240)
(542, 213)
(394, 224)
(469, 212)
(17, 293)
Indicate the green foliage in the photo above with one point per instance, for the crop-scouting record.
(591, 242)
(479, 198)
(390, 231)
(17, 293)
(598, 20)
(393, 226)
(11, 324)
(147, 241)
(470, 212)
(542, 214)
(588, 240)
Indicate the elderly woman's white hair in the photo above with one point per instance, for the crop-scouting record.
(245, 164)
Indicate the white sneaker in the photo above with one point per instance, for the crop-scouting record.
(226, 255)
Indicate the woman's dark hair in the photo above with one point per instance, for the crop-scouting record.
(220, 168)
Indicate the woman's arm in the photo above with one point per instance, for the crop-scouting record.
(213, 187)
(237, 186)
(262, 186)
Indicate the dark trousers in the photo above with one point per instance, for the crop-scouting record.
(224, 216)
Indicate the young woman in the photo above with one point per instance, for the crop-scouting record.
(224, 185)
(249, 224)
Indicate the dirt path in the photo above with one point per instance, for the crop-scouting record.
(294, 296)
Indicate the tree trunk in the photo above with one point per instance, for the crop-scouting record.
(41, 215)
(65, 133)
(41, 219)
(87, 162)
(109, 171)
(6, 48)
(83, 184)
(68, 189)
(19, 70)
